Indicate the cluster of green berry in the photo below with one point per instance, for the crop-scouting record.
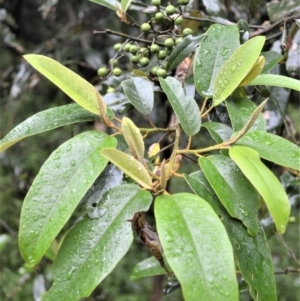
(141, 55)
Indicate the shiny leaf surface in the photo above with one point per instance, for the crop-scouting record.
(61, 183)
(219, 132)
(146, 268)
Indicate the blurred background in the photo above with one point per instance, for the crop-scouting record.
(63, 30)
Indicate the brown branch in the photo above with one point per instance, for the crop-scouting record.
(288, 271)
(271, 27)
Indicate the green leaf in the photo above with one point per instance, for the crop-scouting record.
(276, 80)
(93, 247)
(146, 268)
(252, 252)
(272, 148)
(218, 45)
(272, 59)
(139, 91)
(61, 183)
(240, 111)
(133, 137)
(233, 189)
(254, 72)
(236, 69)
(185, 107)
(4, 239)
(125, 4)
(197, 248)
(265, 182)
(131, 167)
(219, 132)
(45, 121)
(182, 50)
(107, 3)
(68, 81)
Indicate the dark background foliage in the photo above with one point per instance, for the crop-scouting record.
(63, 30)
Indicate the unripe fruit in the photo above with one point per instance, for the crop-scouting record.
(117, 71)
(159, 16)
(161, 55)
(170, 10)
(102, 71)
(187, 31)
(144, 61)
(133, 49)
(135, 59)
(156, 2)
(183, 2)
(169, 42)
(154, 48)
(114, 62)
(178, 40)
(161, 72)
(126, 47)
(154, 70)
(178, 21)
(118, 46)
(111, 90)
(144, 51)
(168, 51)
(145, 27)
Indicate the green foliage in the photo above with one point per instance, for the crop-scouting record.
(204, 239)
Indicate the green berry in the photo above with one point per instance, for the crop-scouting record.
(118, 46)
(102, 71)
(161, 72)
(144, 61)
(135, 59)
(187, 31)
(117, 71)
(178, 40)
(170, 10)
(156, 2)
(161, 55)
(144, 51)
(145, 27)
(169, 43)
(265, 93)
(168, 51)
(159, 16)
(133, 49)
(183, 2)
(126, 47)
(154, 48)
(154, 70)
(114, 62)
(111, 90)
(178, 21)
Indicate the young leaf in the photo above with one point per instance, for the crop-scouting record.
(45, 121)
(197, 248)
(236, 69)
(255, 70)
(218, 45)
(146, 268)
(107, 3)
(182, 50)
(139, 91)
(61, 183)
(185, 107)
(125, 4)
(131, 167)
(240, 111)
(272, 148)
(93, 247)
(252, 252)
(68, 81)
(265, 182)
(233, 189)
(276, 80)
(219, 132)
(133, 137)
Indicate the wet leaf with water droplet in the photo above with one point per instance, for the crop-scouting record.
(222, 41)
(93, 247)
(64, 187)
(265, 182)
(194, 257)
(233, 189)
